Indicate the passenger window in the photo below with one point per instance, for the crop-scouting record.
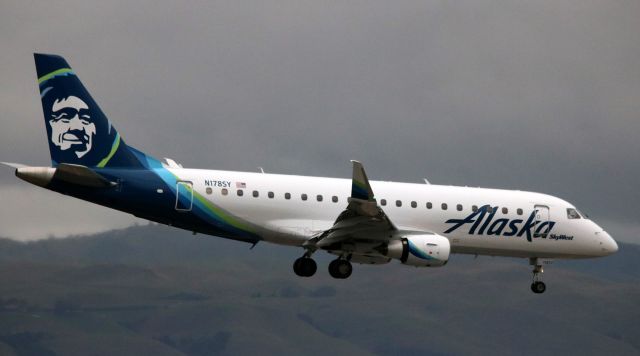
(414, 204)
(429, 205)
(240, 192)
(383, 202)
(444, 206)
(474, 208)
(334, 199)
(459, 207)
(519, 211)
(287, 196)
(303, 197)
(270, 195)
(489, 210)
(209, 190)
(505, 211)
(398, 203)
(319, 197)
(572, 213)
(255, 194)
(225, 191)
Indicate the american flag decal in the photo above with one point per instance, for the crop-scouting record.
(241, 185)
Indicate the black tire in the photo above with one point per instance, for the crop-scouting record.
(297, 267)
(340, 269)
(333, 271)
(305, 267)
(538, 287)
(309, 267)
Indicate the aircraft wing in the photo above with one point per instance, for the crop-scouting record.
(363, 221)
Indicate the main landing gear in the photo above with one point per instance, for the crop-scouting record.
(305, 266)
(537, 285)
(339, 268)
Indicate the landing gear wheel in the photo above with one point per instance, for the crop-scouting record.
(538, 287)
(340, 269)
(305, 266)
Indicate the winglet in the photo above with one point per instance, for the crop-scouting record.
(360, 187)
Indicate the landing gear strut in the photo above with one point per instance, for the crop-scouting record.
(340, 268)
(305, 266)
(537, 285)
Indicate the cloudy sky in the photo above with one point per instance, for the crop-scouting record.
(535, 95)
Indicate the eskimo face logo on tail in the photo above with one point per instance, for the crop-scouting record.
(78, 132)
(71, 125)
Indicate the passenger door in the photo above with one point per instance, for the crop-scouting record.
(542, 217)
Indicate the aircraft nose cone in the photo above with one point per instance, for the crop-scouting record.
(609, 245)
(613, 245)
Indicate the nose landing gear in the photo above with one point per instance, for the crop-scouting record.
(537, 286)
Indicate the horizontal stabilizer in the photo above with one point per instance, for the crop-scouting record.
(68, 173)
(12, 165)
(81, 175)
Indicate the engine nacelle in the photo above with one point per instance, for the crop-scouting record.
(427, 250)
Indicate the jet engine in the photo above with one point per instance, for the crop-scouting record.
(424, 250)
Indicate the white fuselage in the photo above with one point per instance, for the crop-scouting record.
(284, 217)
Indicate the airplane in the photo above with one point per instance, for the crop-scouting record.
(357, 220)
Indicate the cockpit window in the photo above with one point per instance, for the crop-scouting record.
(573, 214)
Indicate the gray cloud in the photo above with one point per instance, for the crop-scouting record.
(541, 96)
(40, 213)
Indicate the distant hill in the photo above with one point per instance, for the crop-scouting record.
(162, 291)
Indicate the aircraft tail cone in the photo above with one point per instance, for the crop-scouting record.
(40, 176)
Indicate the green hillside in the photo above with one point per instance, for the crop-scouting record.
(161, 291)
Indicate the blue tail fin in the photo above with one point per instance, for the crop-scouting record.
(77, 130)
